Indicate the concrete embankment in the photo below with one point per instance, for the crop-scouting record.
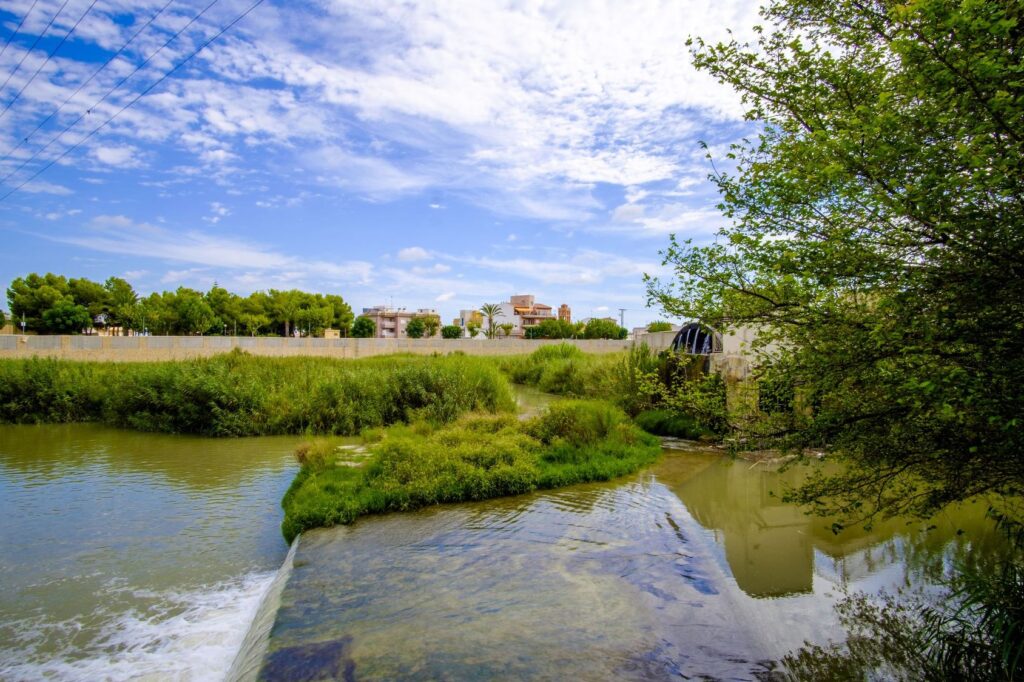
(164, 348)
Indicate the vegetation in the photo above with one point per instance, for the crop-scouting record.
(431, 323)
(876, 238)
(659, 327)
(451, 331)
(974, 632)
(668, 423)
(54, 304)
(491, 311)
(363, 328)
(554, 329)
(415, 328)
(877, 233)
(240, 395)
(603, 329)
(478, 457)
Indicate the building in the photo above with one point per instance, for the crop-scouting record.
(564, 313)
(390, 323)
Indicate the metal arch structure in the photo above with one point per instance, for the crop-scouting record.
(696, 339)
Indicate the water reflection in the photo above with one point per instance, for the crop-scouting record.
(774, 549)
(692, 568)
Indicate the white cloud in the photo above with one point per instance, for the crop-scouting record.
(447, 296)
(218, 211)
(121, 235)
(413, 253)
(125, 156)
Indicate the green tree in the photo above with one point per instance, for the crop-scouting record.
(121, 300)
(284, 306)
(90, 294)
(415, 328)
(473, 328)
(876, 234)
(659, 326)
(431, 324)
(603, 329)
(32, 295)
(491, 311)
(449, 331)
(551, 329)
(341, 318)
(194, 315)
(506, 329)
(65, 317)
(363, 328)
(3, 319)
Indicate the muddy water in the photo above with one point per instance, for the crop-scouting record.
(133, 556)
(692, 568)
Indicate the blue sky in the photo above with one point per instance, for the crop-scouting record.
(427, 154)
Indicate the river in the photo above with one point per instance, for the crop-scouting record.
(142, 556)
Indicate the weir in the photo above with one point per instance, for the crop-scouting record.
(248, 661)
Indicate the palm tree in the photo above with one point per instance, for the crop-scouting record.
(490, 311)
(506, 329)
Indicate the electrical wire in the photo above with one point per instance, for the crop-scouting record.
(48, 58)
(18, 27)
(34, 43)
(107, 94)
(142, 94)
(87, 81)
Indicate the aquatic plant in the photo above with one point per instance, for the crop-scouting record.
(477, 457)
(237, 394)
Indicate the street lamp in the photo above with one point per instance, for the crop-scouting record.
(23, 324)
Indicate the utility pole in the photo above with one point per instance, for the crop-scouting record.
(622, 317)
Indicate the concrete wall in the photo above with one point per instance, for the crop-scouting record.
(158, 348)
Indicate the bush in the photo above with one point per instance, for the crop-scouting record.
(451, 331)
(665, 423)
(363, 328)
(240, 395)
(477, 457)
(415, 328)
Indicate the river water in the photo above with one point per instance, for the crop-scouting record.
(133, 556)
(141, 556)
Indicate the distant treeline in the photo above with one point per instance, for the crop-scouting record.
(54, 304)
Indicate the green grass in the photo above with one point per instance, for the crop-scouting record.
(563, 369)
(475, 458)
(237, 394)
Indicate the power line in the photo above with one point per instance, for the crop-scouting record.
(87, 81)
(48, 58)
(18, 27)
(107, 94)
(33, 46)
(142, 94)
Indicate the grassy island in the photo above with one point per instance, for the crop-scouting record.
(477, 457)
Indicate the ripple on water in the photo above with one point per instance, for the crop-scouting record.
(191, 635)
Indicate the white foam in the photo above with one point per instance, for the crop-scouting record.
(189, 636)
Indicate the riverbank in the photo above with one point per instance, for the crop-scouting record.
(236, 394)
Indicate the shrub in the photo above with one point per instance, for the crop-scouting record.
(239, 395)
(474, 458)
(415, 328)
(451, 331)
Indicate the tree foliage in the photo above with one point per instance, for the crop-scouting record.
(876, 233)
(451, 331)
(597, 328)
(415, 328)
(115, 303)
(363, 328)
(66, 317)
(659, 326)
